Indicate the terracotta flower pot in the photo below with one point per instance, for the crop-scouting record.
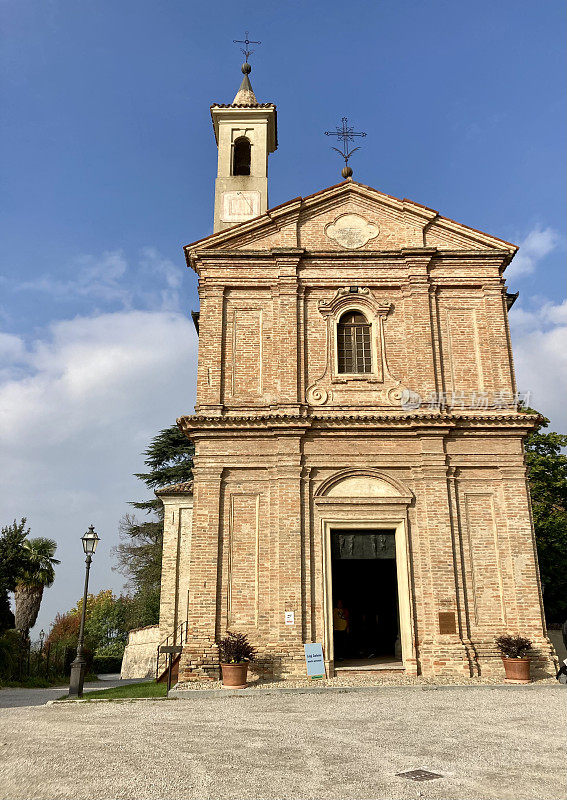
(234, 675)
(517, 669)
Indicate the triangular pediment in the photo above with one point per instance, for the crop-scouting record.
(350, 217)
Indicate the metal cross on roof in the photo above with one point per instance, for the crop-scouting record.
(346, 134)
(246, 42)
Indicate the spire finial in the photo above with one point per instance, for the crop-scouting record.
(346, 134)
(245, 95)
(246, 49)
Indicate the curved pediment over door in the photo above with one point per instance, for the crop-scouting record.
(369, 485)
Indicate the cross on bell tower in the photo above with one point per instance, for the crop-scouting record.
(246, 42)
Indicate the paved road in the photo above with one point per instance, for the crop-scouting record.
(487, 742)
(13, 698)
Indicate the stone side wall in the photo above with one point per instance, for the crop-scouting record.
(175, 579)
(139, 660)
(557, 641)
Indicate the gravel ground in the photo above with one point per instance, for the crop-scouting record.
(504, 742)
(357, 679)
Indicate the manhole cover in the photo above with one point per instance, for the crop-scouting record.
(419, 775)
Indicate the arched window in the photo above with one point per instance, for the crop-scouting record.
(241, 157)
(353, 340)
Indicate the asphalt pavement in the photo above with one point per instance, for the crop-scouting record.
(15, 698)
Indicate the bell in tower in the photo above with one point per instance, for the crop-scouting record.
(246, 133)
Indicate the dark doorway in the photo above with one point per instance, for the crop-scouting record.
(365, 587)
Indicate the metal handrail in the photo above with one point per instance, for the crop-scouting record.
(176, 637)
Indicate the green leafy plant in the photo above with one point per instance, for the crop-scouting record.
(169, 459)
(37, 574)
(511, 646)
(235, 649)
(13, 561)
(547, 473)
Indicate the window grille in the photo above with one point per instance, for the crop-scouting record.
(353, 339)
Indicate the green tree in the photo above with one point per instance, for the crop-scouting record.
(547, 471)
(169, 459)
(35, 576)
(13, 559)
(106, 625)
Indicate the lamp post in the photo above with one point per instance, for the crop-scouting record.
(90, 540)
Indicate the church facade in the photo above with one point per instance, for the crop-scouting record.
(358, 442)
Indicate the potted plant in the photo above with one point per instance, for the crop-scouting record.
(235, 652)
(513, 650)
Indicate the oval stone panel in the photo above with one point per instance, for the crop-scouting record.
(351, 231)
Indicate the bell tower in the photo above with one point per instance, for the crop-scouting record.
(246, 133)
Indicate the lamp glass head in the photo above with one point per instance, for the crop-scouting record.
(90, 539)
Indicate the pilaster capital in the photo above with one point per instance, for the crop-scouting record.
(287, 262)
(418, 260)
(494, 288)
(209, 290)
(205, 471)
(518, 473)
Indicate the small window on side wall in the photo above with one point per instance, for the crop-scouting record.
(241, 156)
(353, 343)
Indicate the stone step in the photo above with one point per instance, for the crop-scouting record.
(369, 671)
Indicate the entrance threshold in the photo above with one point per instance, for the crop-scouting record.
(382, 664)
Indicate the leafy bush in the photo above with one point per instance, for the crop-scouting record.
(235, 648)
(10, 653)
(547, 473)
(513, 646)
(105, 664)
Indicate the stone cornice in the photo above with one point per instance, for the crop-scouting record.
(233, 258)
(399, 252)
(401, 421)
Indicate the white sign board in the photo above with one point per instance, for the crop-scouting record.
(290, 618)
(314, 660)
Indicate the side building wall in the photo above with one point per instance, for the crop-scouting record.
(175, 569)
(139, 660)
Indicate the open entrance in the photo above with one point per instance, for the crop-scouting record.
(365, 598)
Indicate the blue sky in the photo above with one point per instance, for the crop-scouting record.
(109, 163)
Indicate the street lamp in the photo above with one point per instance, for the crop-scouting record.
(90, 540)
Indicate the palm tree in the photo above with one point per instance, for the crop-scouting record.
(38, 574)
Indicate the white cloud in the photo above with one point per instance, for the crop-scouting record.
(534, 247)
(539, 339)
(77, 408)
(11, 348)
(539, 334)
(109, 278)
(156, 265)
